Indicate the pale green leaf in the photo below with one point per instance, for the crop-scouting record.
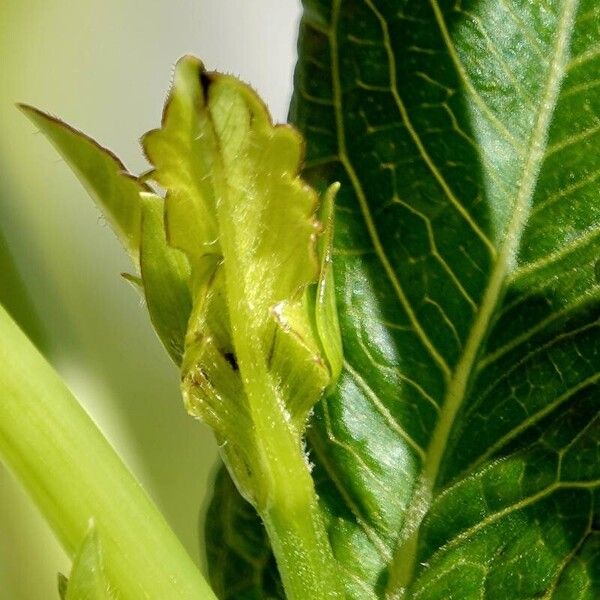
(183, 150)
(236, 259)
(88, 580)
(165, 279)
(103, 175)
(136, 215)
(254, 363)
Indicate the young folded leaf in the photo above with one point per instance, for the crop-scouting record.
(165, 278)
(236, 206)
(263, 341)
(88, 580)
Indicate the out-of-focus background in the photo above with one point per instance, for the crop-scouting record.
(104, 66)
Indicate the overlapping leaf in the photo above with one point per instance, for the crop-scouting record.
(461, 447)
(124, 200)
(247, 223)
(459, 454)
(238, 552)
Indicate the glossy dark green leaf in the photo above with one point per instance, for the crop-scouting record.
(240, 562)
(463, 439)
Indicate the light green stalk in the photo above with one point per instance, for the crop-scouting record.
(73, 475)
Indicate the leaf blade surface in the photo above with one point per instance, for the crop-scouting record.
(465, 137)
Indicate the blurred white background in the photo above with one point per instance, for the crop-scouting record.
(104, 66)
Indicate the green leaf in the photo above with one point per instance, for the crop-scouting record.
(238, 552)
(261, 345)
(15, 298)
(103, 175)
(240, 559)
(165, 279)
(327, 324)
(88, 580)
(236, 270)
(63, 583)
(183, 151)
(463, 436)
(136, 215)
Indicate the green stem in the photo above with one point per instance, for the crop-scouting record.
(293, 518)
(74, 475)
(285, 495)
(303, 560)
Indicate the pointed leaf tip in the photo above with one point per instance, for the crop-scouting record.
(102, 174)
(88, 580)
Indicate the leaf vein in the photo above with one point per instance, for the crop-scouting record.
(362, 200)
(454, 201)
(383, 411)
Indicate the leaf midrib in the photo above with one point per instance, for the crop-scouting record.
(402, 567)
